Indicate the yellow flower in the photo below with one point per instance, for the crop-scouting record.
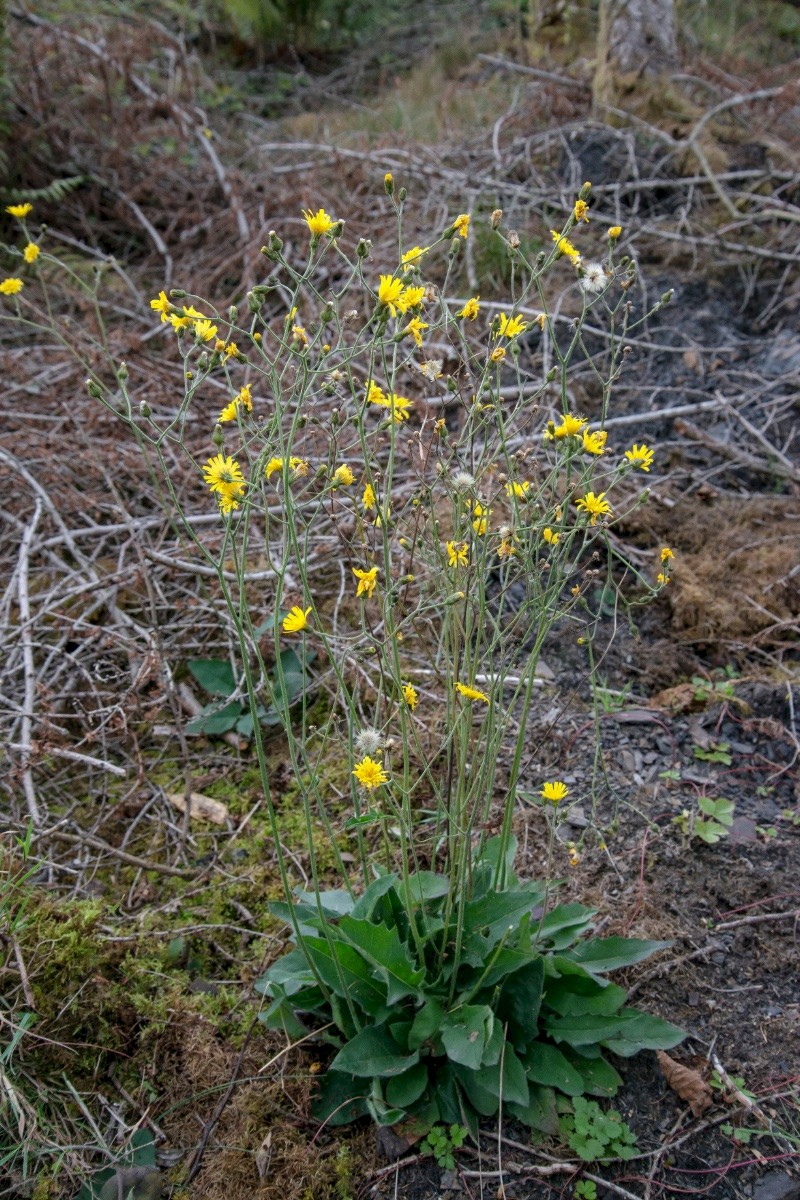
(410, 297)
(565, 247)
(31, 252)
(204, 330)
(510, 326)
(397, 405)
(299, 335)
(370, 773)
(640, 456)
(614, 232)
(550, 537)
(457, 554)
(471, 309)
(461, 224)
(569, 426)
(229, 412)
(298, 466)
(520, 490)
(594, 443)
(343, 476)
(574, 857)
(223, 475)
(662, 578)
(11, 286)
(190, 314)
(598, 506)
(554, 792)
(411, 257)
(666, 554)
(410, 696)
(414, 329)
(480, 518)
(368, 498)
(541, 320)
(580, 211)
(19, 210)
(162, 305)
(505, 549)
(242, 399)
(389, 292)
(367, 581)
(296, 620)
(471, 693)
(318, 222)
(497, 355)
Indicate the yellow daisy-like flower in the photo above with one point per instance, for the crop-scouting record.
(471, 309)
(190, 314)
(471, 693)
(614, 232)
(565, 247)
(414, 329)
(367, 581)
(370, 773)
(228, 503)
(662, 578)
(666, 554)
(299, 335)
(498, 354)
(555, 792)
(162, 305)
(397, 405)
(410, 696)
(298, 466)
(296, 620)
(550, 536)
(480, 518)
(640, 456)
(597, 505)
(457, 554)
(581, 211)
(461, 224)
(389, 292)
(242, 399)
(223, 475)
(412, 257)
(343, 476)
(318, 222)
(31, 252)
(19, 210)
(229, 412)
(510, 326)
(204, 330)
(569, 426)
(520, 490)
(410, 297)
(368, 500)
(11, 287)
(505, 549)
(594, 443)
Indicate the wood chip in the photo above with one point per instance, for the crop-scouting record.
(201, 808)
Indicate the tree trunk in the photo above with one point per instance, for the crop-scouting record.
(636, 38)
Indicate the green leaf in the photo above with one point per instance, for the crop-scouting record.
(508, 961)
(475, 1094)
(426, 1025)
(344, 971)
(428, 885)
(540, 1112)
(574, 995)
(569, 920)
(214, 719)
(599, 955)
(215, 675)
(599, 1077)
(506, 1079)
(403, 1090)
(589, 1029)
(709, 832)
(365, 905)
(387, 954)
(520, 1000)
(547, 1065)
(373, 1052)
(291, 972)
(465, 1032)
(281, 1015)
(719, 810)
(341, 1099)
(644, 1033)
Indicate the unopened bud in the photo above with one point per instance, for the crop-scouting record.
(202, 362)
(94, 389)
(233, 314)
(177, 293)
(144, 409)
(326, 314)
(363, 247)
(122, 372)
(667, 297)
(584, 192)
(336, 230)
(455, 245)
(388, 183)
(456, 598)
(401, 195)
(218, 437)
(254, 302)
(551, 374)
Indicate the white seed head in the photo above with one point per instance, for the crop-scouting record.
(368, 741)
(594, 277)
(463, 481)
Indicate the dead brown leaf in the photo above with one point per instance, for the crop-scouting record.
(201, 808)
(686, 1083)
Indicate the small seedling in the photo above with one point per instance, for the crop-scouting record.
(717, 752)
(611, 701)
(706, 690)
(594, 1135)
(586, 1189)
(710, 824)
(441, 1143)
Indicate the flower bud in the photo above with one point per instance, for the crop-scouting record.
(218, 437)
(177, 293)
(388, 183)
(94, 389)
(233, 314)
(254, 302)
(144, 409)
(122, 372)
(202, 362)
(401, 195)
(363, 247)
(551, 374)
(667, 297)
(455, 245)
(584, 192)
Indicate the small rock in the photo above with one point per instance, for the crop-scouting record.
(777, 1185)
(743, 831)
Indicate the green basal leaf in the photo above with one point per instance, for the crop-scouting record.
(589, 1029)
(426, 1024)
(364, 907)
(465, 1032)
(290, 972)
(540, 1112)
(344, 971)
(281, 1015)
(340, 1100)
(216, 719)
(644, 1033)
(334, 902)
(520, 1000)
(709, 832)
(475, 1094)
(403, 1090)
(373, 1053)
(575, 995)
(506, 1079)
(215, 675)
(387, 954)
(545, 1064)
(599, 955)
(428, 885)
(599, 1077)
(562, 926)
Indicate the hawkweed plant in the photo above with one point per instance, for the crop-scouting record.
(464, 508)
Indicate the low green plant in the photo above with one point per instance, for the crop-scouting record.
(594, 1135)
(708, 690)
(710, 821)
(230, 711)
(586, 1189)
(716, 752)
(609, 699)
(441, 1142)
